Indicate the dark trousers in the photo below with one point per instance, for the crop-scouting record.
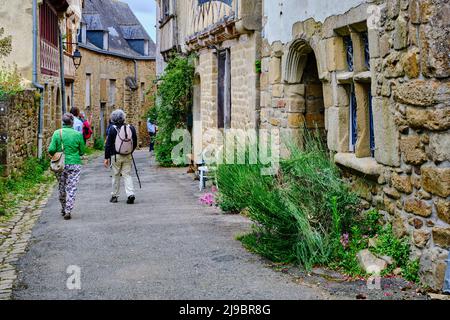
(152, 141)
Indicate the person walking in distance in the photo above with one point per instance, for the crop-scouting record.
(151, 128)
(77, 123)
(71, 143)
(120, 145)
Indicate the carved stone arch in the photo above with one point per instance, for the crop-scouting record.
(295, 61)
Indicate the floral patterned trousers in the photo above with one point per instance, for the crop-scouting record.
(68, 182)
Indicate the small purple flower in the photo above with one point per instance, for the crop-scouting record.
(344, 240)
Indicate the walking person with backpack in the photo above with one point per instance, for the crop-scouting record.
(120, 145)
(66, 148)
(87, 130)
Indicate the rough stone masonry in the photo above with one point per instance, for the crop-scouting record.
(400, 72)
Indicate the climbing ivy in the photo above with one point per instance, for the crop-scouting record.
(173, 103)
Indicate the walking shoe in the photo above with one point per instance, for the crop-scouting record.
(67, 216)
(131, 199)
(63, 213)
(114, 199)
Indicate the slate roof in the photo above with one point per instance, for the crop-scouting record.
(119, 20)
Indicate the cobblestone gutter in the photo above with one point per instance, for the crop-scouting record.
(15, 235)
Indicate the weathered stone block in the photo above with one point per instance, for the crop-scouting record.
(439, 147)
(421, 238)
(436, 180)
(386, 133)
(418, 207)
(431, 119)
(338, 133)
(391, 193)
(443, 209)
(277, 90)
(296, 120)
(336, 54)
(410, 64)
(398, 226)
(392, 66)
(328, 100)
(423, 93)
(412, 150)
(402, 183)
(385, 45)
(400, 34)
(441, 237)
(275, 70)
(392, 8)
(295, 90)
(296, 104)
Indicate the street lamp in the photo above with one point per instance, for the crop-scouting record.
(76, 58)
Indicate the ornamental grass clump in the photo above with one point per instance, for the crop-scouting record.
(292, 211)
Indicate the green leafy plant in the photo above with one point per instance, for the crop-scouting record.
(99, 143)
(258, 66)
(10, 82)
(173, 102)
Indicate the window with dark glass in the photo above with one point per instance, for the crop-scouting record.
(349, 52)
(224, 90)
(48, 22)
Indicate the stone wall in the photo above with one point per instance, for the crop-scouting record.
(18, 130)
(244, 52)
(107, 72)
(404, 171)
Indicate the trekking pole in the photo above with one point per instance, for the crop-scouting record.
(137, 174)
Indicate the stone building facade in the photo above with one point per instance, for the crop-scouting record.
(373, 76)
(225, 35)
(118, 66)
(56, 22)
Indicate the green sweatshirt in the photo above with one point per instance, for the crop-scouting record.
(74, 146)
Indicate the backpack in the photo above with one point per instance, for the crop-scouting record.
(87, 130)
(124, 140)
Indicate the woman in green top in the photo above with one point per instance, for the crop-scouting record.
(74, 147)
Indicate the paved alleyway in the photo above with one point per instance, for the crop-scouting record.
(166, 246)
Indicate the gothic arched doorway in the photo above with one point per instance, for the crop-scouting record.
(301, 73)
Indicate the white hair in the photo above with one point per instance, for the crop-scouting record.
(118, 116)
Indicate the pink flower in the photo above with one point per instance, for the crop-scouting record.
(214, 189)
(208, 199)
(344, 240)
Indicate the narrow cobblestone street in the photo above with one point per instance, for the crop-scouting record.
(166, 246)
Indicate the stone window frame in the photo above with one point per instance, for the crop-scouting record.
(88, 94)
(355, 79)
(112, 97)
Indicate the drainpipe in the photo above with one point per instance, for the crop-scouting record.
(61, 71)
(35, 81)
(135, 71)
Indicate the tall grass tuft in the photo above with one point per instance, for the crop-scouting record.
(292, 211)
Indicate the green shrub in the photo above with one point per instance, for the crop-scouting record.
(173, 102)
(99, 143)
